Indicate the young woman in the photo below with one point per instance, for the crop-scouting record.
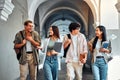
(99, 59)
(50, 66)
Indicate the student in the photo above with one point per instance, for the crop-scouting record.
(29, 55)
(78, 46)
(99, 60)
(50, 66)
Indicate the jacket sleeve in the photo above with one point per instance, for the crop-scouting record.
(37, 37)
(109, 47)
(85, 45)
(17, 39)
(91, 43)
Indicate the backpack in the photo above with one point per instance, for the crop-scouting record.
(66, 49)
(18, 50)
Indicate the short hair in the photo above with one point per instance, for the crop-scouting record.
(26, 22)
(73, 26)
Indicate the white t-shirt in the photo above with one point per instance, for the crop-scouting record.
(98, 46)
(74, 41)
(28, 46)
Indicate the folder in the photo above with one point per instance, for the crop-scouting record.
(105, 44)
(57, 46)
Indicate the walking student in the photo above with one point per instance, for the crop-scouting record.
(99, 59)
(50, 66)
(27, 40)
(77, 48)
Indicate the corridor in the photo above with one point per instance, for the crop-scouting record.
(113, 71)
(44, 13)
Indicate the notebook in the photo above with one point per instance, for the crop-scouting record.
(57, 47)
(105, 44)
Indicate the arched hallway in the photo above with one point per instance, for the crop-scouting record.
(44, 13)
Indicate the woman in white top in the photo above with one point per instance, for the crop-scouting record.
(99, 60)
(50, 66)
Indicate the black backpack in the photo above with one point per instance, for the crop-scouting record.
(66, 49)
(18, 50)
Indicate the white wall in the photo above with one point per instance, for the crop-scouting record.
(110, 19)
(109, 14)
(9, 68)
(116, 42)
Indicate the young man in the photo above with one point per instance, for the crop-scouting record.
(27, 40)
(78, 47)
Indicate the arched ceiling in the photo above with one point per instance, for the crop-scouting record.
(33, 5)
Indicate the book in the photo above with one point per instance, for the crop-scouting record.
(82, 56)
(57, 46)
(105, 44)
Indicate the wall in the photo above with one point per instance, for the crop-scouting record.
(9, 68)
(109, 14)
(116, 42)
(110, 19)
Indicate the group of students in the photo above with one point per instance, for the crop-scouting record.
(77, 46)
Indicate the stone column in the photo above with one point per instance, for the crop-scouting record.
(6, 8)
(118, 6)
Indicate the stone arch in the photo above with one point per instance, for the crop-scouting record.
(33, 5)
(60, 8)
(94, 8)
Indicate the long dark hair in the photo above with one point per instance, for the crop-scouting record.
(55, 31)
(104, 37)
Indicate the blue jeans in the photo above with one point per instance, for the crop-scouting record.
(99, 69)
(51, 68)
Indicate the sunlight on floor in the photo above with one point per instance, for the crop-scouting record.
(114, 68)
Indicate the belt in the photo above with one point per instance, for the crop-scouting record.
(99, 57)
(29, 52)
